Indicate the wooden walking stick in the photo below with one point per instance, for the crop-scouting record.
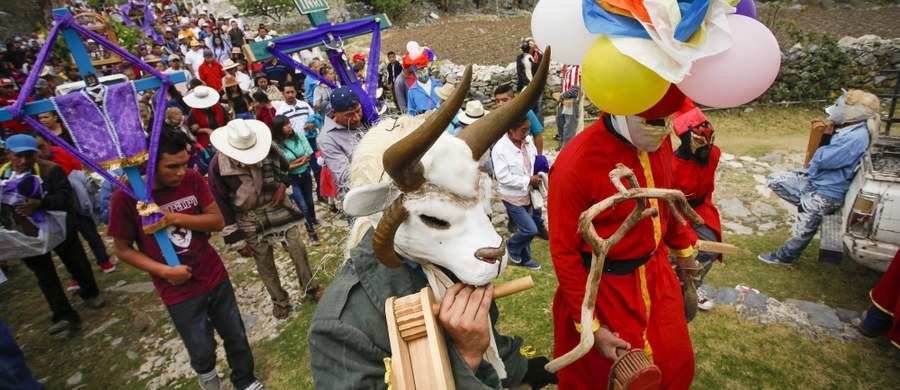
(419, 354)
(629, 368)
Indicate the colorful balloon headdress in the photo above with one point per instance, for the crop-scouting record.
(633, 52)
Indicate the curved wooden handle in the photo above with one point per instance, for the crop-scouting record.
(502, 290)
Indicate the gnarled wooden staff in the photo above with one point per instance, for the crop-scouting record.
(677, 204)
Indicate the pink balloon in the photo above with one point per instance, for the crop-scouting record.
(741, 73)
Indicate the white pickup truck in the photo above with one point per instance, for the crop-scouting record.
(871, 211)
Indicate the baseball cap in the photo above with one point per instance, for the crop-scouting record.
(6, 81)
(173, 57)
(359, 56)
(21, 143)
(344, 99)
(41, 83)
(207, 53)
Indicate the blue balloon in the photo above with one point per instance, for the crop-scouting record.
(747, 8)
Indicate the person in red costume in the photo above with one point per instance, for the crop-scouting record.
(695, 165)
(881, 319)
(639, 304)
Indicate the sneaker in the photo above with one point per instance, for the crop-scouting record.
(63, 326)
(95, 302)
(108, 267)
(73, 286)
(210, 381)
(704, 302)
(256, 385)
(532, 265)
(515, 259)
(314, 239)
(543, 233)
(772, 259)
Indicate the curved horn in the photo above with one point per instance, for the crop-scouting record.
(383, 240)
(485, 131)
(402, 159)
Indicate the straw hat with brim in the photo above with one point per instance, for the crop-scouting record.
(247, 141)
(474, 111)
(195, 43)
(150, 58)
(445, 91)
(229, 81)
(228, 64)
(236, 50)
(201, 97)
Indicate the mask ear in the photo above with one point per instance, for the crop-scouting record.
(369, 199)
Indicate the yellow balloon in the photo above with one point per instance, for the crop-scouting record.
(618, 84)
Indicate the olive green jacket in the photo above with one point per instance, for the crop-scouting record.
(348, 337)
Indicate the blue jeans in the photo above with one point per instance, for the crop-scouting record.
(314, 164)
(196, 318)
(796, 189)
(301, 194)
(244, 115)
(14, 374)
(520, 243)
(88, 229)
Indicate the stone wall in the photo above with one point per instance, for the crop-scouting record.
(869, 55)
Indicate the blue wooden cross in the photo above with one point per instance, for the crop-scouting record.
(85, 67)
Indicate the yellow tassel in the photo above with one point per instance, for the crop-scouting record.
(388, 373)
(156, 226)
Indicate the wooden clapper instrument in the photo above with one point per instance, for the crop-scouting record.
(419, 354)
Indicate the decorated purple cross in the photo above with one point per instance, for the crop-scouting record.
(148, 21)
(103, 121)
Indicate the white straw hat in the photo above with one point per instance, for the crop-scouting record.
(247, 141)
(201, 97)
(474, 111)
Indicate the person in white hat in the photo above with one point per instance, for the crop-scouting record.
(193, 58)
(233, 69)
(473, 112)
(249, 179)
(206, 113)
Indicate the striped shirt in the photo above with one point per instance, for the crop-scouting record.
(297, 113)
(571, 77)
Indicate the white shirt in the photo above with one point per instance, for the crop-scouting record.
(194, 58)
(182, 87)
(297, 113)
(263, 38)
(244, 80)
(509, 166)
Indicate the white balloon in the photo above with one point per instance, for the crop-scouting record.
(560, 25)
(412, 47)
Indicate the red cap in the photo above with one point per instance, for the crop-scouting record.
(672, 101)
(5, 81)
(359, 56)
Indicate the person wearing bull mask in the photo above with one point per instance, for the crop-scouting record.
(639, 303)
(349, 337)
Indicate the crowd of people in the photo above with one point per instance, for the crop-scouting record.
(247, 150)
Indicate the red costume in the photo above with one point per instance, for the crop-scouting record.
(211, 74)
(886, 297)
(64, 159)
(695, 176)
(644, 306)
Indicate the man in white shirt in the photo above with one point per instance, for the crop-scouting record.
(298, 111)
(263, 35)
(193, 58)
(175, 67)
(236, 70)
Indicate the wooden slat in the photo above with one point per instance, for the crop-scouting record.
(717, 247)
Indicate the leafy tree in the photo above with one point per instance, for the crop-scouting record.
(272, 9)
(387, 6)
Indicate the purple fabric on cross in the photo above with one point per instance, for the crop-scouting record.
(148, 20)
(108, 133)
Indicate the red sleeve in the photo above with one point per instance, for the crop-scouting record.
(566, 201)
(122, 223)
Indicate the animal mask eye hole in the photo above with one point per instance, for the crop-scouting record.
(435, 223)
